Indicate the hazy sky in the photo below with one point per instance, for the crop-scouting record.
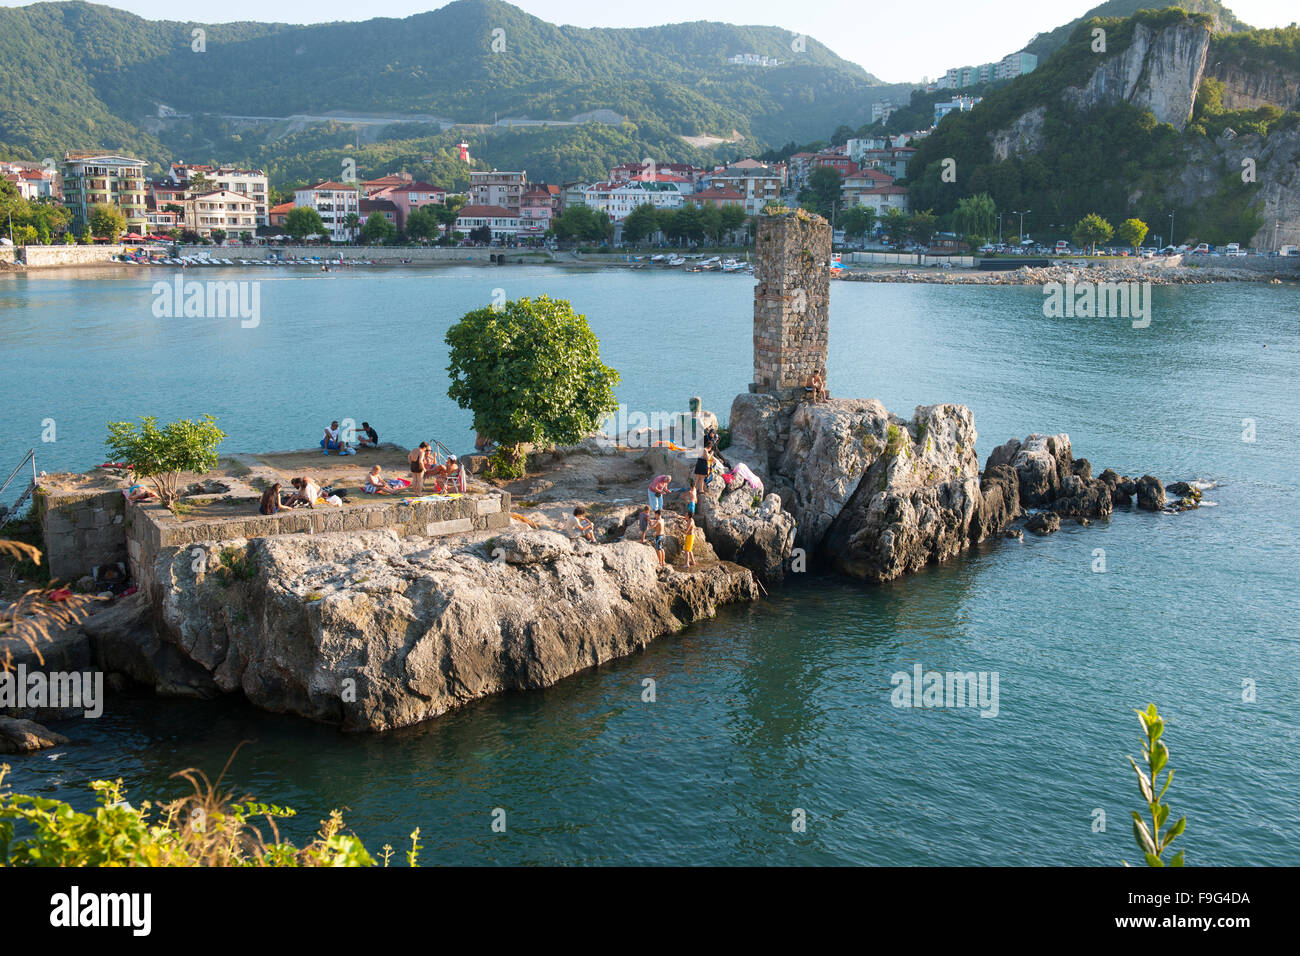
(898, 42)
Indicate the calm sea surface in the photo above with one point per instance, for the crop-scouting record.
(784, 705)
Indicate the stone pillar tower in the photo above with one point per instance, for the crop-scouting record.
(791, 302)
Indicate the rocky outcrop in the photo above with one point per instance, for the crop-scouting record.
(372, 631)
(25, 736)
(877, 496)
(1150, 493)
(1022, 138)
(759, 537)
(1250, 88)
(1159, 70)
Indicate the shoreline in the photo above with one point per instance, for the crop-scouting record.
(1076, 270)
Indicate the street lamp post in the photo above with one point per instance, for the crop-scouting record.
(1022, 222)
(1171, 229)
(999, 229)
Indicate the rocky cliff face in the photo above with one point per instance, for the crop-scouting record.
(1248, 89)
(1160, 70)
(373, 631)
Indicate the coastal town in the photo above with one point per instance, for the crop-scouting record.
(461, 439)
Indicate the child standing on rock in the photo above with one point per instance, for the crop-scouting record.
(660, 533)
(688, 545)
(643, 519)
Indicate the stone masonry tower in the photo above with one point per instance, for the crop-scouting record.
(791, 302)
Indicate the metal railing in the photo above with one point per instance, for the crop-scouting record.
(27, 492)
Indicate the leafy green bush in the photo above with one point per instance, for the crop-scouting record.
(161, 454)
(206, 828)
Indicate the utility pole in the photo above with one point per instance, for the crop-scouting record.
(1171, 229)
(999, 229)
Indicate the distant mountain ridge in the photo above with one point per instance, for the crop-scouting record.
(1045, 44)
(80, 75)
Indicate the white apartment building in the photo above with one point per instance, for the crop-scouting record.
(247, 182)
(334, 202)
(618, 199)
(221, 209)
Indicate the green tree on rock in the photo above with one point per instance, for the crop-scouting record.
(160, 455)
(531, 373)
(1133, 231)
(1092, 229)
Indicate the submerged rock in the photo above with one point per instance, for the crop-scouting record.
(1044, 522)
(26, 736)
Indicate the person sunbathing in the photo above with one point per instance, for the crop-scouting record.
(377, 484)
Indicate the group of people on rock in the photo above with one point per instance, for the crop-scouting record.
(423, 461)
(334, 439)
(306, 494)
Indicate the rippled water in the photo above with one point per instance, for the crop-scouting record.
(785, 704)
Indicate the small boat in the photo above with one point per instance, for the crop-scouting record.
(677, 261)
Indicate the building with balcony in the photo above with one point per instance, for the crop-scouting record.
(495, 188)
(407, 196)
(223, 209)
(94, 179)
(503, 223)
(251, 183)
(334, 202)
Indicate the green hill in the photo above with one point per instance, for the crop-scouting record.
(76, 75)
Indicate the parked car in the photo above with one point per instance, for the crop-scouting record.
(1202, 249)
(1062, 248)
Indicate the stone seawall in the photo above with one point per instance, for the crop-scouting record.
(45, 257)
(152, 529)
(81, 530)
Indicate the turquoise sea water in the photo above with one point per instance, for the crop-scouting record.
(785, 704)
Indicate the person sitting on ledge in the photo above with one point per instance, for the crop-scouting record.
(333, 442)
(369, 437)
(815, 389)
(270, 503)
(579, 526)
(307, 493)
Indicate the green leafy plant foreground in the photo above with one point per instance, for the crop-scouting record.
(1150, 840)
(206, 828)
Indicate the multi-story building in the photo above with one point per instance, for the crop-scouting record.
(371, 186)
(537, 207)
(862, 182)
(882, 198)
(718, 196)
(573, 194)
(251, 183)
(92, 179)
(33, 181)
(1008, 68)
(837, 159)
(617, 200)
(495, 188)
(759, 184)
(162, 220)
(503, 223)
(334, 202)
(958, 104)
(409, 195)
(855, 148)
(222, 209)
(882, 110)
(278, 214)
(892, 160)
(684, 174)
(385, 207)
